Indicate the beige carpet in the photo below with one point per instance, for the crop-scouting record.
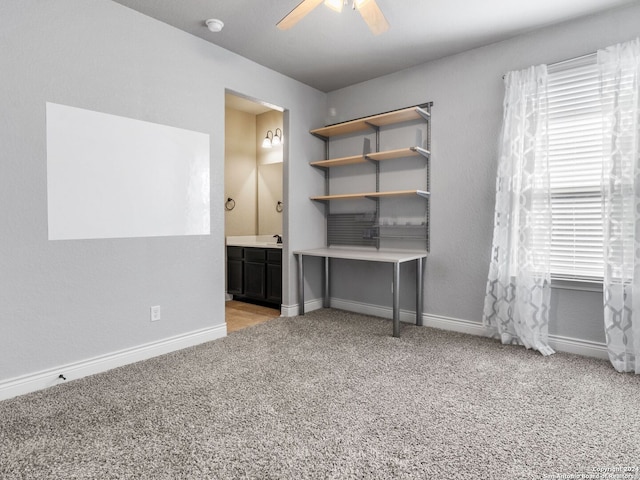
(331, 395)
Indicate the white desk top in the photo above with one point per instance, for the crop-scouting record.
(371, 255)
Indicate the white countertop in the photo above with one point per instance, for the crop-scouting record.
(258, 241)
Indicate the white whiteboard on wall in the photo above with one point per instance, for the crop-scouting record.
(117, 177)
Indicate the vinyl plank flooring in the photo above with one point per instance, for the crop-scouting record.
(240, 315)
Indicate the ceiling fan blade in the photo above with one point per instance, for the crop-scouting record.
(374, 17)
(295, 15)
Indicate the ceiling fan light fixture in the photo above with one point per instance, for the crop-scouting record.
(335, 5)
(368, 9)
(359, 3)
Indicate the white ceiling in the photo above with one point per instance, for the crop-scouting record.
(329, 51)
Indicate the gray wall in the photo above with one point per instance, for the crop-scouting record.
(67, 301)
(467, 92)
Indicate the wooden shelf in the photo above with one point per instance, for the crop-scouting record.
(349, 196)
(399, 153)
(336, 162)
(366, 123)
(373, 156)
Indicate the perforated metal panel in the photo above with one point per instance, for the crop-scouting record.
(358, 229)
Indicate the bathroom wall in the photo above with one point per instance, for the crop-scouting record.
(240, 172)
(253, 174)
(269, 175)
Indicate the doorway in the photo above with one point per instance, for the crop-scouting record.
(253, 209)
(239, 315)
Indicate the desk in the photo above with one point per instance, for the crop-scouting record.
(384, 256)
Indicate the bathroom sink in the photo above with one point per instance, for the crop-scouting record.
(265, 244)
(258, 241)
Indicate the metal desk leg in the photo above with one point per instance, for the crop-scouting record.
(300, 258)
(419, 290)
(396, 299)
(325, 302)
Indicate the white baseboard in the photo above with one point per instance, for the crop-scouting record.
(288, 310)
(576, 346)
(579, 347)
(293, 310)
(50, 377)
(453, 324)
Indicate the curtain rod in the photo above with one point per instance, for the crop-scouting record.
(566, 61)
(572, 59)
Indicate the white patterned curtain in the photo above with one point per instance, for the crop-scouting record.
(620, 73)
(516, 305)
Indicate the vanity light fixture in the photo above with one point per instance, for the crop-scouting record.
(271, 140)
(268, 140)
(277, 138)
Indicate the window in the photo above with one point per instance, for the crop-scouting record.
(575, 168)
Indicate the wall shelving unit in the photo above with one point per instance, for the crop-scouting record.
(375, 121)
(362, 228)
(367, 228)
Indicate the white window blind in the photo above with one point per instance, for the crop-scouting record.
(575, 168)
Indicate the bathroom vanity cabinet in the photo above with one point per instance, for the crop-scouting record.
(255, 274)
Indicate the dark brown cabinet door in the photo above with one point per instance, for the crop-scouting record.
(235, 276)
(255, 280)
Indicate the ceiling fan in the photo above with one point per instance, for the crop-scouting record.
(369, 10)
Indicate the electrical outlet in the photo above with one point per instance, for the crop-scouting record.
(155, 313)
